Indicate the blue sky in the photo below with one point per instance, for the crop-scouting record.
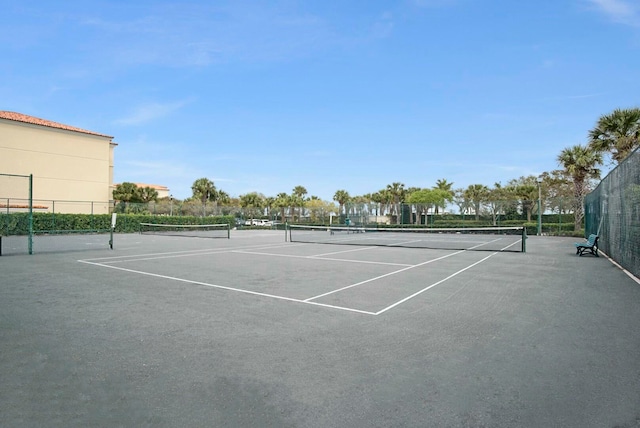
(355, 95)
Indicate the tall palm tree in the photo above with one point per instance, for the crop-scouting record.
(443, 184)
(397, 191)
(298, 197)
(126, 192)
(148, 194)
(617, 132)
(204, 190)
(269, 204)
(342, 198)
(283, 201)
(476, 194)
(252, 202)
(580, 163)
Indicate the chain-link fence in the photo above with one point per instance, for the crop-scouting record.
(612, 211)
(556, 215)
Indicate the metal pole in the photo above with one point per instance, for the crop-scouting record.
(539, 209)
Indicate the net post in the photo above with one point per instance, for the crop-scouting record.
(524, 239)
(228, 231)
(111, 229)
(287, 231)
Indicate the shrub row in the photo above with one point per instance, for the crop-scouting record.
(18, 223)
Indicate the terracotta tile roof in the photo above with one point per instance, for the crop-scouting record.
(19, 117)
(153, 186)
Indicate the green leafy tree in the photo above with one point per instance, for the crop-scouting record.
(580, 164)
(557, 191)
(319, 210)
(423, 199)
(617, 133)
(498, 198)
(461, 201)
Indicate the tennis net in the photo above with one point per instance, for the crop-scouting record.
(188, 230)
(478, 239)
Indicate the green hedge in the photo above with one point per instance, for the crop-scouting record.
(18, 223)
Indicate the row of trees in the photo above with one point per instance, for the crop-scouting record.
(615, 135)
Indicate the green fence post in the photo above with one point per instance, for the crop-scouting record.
(30, 242)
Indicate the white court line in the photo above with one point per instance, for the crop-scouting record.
(332, 259)
(310, 300)
(434, 284)
(176, 254)
(222, 287)
(382, 276)
(346, 251)
(626, 272)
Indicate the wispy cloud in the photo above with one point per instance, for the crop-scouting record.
(621, 11)
(574, 97)
(149, 112)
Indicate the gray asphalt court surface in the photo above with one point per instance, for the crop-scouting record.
(254, 331)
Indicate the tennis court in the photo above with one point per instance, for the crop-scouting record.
(258, 331)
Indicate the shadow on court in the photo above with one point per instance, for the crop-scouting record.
(253, 331)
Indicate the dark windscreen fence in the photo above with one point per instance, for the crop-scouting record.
(16, 214)
(477, 239)
(612, 211)
(187, 230)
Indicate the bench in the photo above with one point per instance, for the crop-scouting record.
(590, 245)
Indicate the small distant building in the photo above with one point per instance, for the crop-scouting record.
(68, 164)
(163, 191)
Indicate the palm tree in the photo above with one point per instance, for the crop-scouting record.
(148, 194)
(298, 197)
(341, 197)
(283, 201)
(126, 192)
(204, 190)
(476, 194)
(580, 163)
(223, 197)
(252, 202)
(617, 132)
(269, 204)
(397, 191)
(443, 184)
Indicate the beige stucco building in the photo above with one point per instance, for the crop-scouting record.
(72, 168)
